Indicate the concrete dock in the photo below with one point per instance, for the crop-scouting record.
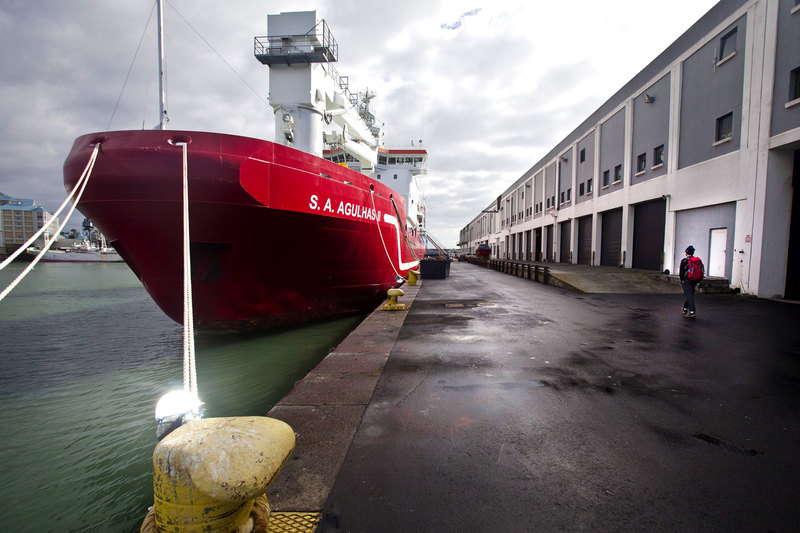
(501, 404)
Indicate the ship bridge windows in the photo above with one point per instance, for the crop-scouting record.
(341, 158)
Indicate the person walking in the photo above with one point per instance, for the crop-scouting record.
(688, 285)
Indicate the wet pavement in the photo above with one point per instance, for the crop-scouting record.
(509, 405)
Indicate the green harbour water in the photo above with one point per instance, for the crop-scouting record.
(84, 356)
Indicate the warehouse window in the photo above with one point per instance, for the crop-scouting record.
(641, 164)
(727, 46)
(658, 156)
(724, 130)
(794, 85)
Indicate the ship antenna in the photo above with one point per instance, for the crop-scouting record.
(163, 118)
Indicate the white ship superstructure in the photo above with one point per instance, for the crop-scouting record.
(313, 103)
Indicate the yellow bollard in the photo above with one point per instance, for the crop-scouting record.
(413, 276)
(391, 304)
(209, 474)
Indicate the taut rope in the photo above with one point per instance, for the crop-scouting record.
(189, 370)
(402, 229)
(372, 197)
(84, 179)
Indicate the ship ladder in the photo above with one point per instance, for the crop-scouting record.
(81, 184)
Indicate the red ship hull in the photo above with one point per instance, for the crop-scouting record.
(278, 236)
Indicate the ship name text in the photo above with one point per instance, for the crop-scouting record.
(344, 208)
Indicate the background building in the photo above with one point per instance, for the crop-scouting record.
(701, 147)
(20, 218)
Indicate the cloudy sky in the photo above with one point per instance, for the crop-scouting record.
(490, 86)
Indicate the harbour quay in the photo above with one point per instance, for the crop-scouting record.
(496, 403)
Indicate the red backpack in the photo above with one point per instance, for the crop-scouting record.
(694, 269)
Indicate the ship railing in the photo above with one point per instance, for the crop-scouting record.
(317, 45)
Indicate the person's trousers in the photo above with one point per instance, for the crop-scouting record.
(688, 292)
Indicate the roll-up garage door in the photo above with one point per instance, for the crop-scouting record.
(611, 244)
(648, 234)
(585, 240)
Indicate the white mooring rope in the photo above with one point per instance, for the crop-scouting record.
(81, 183)
(405, 237)
(189, 370)
(372, 197)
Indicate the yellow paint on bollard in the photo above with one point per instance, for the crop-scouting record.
(391, 304)
(413, 276)
(207, 474)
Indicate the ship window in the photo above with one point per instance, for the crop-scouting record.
(391, 160)
(606, 175)
(583, 155)
(562, 197)
(581, 189)
(379, 176)
(617, 173)
(569, 194)
(588, 186)
(395, 176)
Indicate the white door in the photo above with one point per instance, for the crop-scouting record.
(716, 253)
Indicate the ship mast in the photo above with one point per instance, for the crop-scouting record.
(162, 95)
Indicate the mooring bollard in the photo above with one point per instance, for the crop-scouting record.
(413, 276)
(391, 304)
(211, 474)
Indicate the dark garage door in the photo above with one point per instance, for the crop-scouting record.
(585, 240)
(648, 234)
(611, 243)
(565, 238)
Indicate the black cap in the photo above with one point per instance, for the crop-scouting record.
(690, 250)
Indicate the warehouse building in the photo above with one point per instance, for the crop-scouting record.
(701, 147)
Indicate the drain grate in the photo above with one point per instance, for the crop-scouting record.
(290, 522)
